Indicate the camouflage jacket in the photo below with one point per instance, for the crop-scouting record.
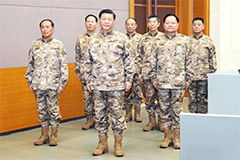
(81, 50)
(108, 63)
(133, 40)
(47, 65)
(203, 56)
(170, 56)
(143, 58)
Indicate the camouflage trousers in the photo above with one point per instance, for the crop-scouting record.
(48, 108)
(134, 95)
(105, 102)
(198, 97)
(170, 101)
(151, 96)
(88, 100)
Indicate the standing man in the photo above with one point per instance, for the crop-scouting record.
(203, 62)
(91, 23)
(134, 95)
(109, 69)
(144, 61)
(47, 75)
(170, 77)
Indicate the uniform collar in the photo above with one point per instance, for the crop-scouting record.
(47, 41)
(106, 34)
(170, 37)
(198, 37)
(89, 34)
(130, 36)
(153, 35)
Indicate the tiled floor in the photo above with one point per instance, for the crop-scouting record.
(76, 144)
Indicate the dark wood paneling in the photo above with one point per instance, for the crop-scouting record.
(140, 1)
(140, 16)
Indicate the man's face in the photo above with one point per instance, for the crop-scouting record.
(131, 26)
(170, 25)
(106, 22)
(153, 24)
(46, 30)
(197, 26)
(91, 24)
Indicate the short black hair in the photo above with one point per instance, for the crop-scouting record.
(52, 24)
(198, 18)
(165, 17)
(91, 15)
(153, 16)
(132, 19)
(109, 11)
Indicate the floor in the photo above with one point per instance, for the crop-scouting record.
(77, 144)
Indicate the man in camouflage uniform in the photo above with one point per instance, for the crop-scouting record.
(170, 76)
(91, 23)
(134, 95)
(47, 75)
(203, 62)
(109, 69)
(144, 63)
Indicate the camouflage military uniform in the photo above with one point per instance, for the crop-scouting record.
(108, 66)
(47, 71)
(169, 70)
(134, 95)
(81, 49)
(203, 62)
(144, 67)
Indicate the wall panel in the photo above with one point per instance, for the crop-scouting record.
(18, 108)
(19, 22)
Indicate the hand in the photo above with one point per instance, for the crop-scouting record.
(187, 85)
(89, 88)
(60, 89)
(140, 77)
(79, 77)
(155, 84)
(128, 86)
(31, 88)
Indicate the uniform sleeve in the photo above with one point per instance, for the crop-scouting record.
(188, 62)
(77, 56)
(63, 67)
(30, 68)
(129, 63)
(139, 57)
(154, 60)
(88, 65)
(212, 58)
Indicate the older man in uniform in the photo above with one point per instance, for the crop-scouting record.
(144, 61)
(109, 69)
(170, 77)
(203, 62)
(91, 23)
(47, 75)
(134, 95)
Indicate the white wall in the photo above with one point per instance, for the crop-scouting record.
(19, 24)
(224, 29)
